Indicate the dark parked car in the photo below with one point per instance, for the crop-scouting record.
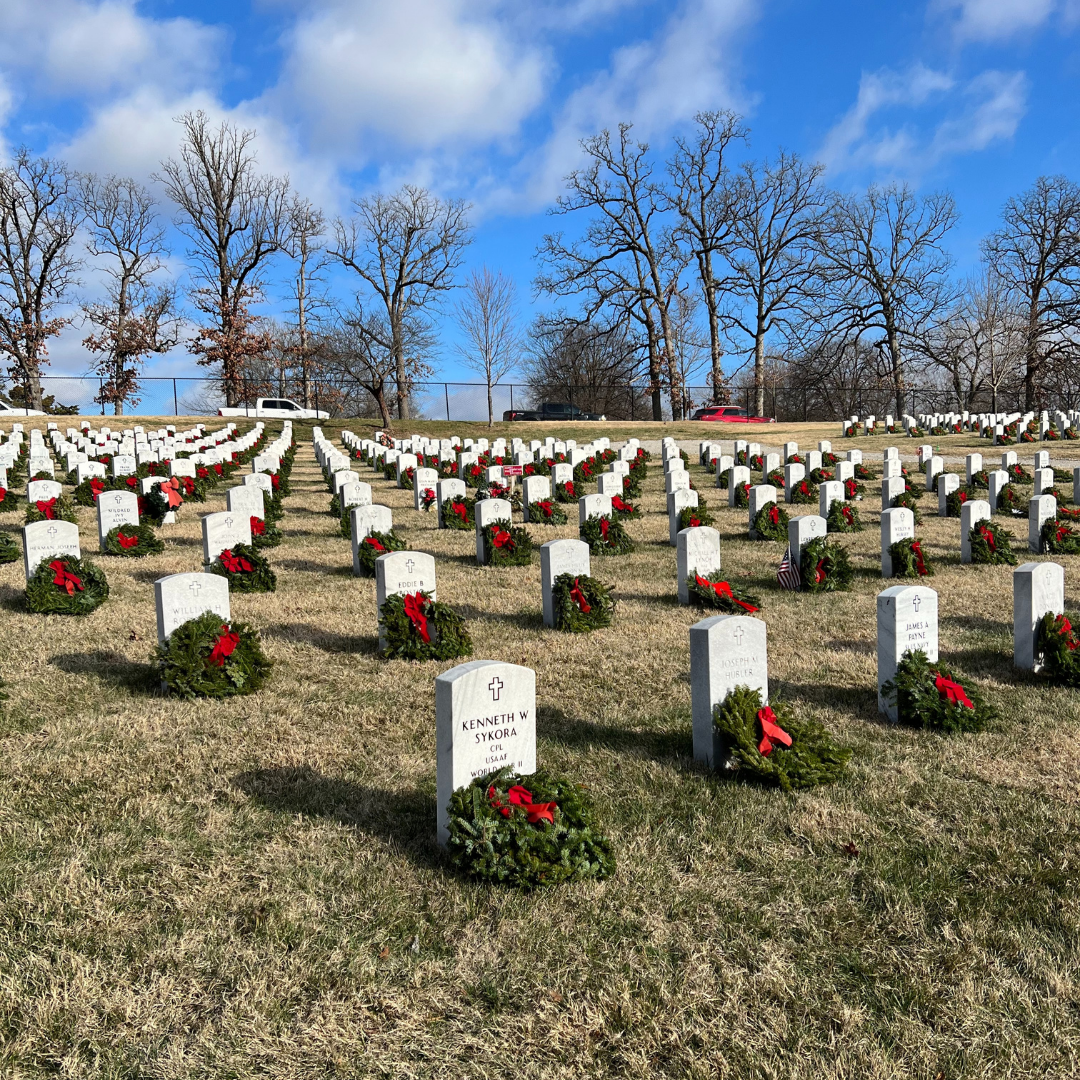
(729, 414)
(551, 410)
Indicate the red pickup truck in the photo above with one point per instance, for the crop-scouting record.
(729, 414)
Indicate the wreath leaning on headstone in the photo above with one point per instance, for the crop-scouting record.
(907, 501)
(375, 544)
(769, 745)
(624, 510)
(991, 545)
(908, 559)
(415, 627)
(9, 550)
(507, 545)
(825, 566)
(692, 517)
(208, 657)
(546, 512)
(1059, 538)
(566, 492)
(804, 493)
(843, 518)
(58, 508)
(716, 592)
(65, 585)
(526, 831)
(1060, 649)
(133, 541)
(581, 603)
(742, 496)
(606, 536)
(8, 500)
(247, 571)
(264, 534)
(771, 523)
(929, 695)
(955, 500)
(457, 513)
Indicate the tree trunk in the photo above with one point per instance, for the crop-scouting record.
(400, 374)
(491, 414)
(380, 399)
(897, 361)
(759, 373)
(716, 351)
(33, 388)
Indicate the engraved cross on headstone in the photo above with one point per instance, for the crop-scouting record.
(228, 522)
(495, 686)
(738, 635)
(51, 530)
(409, 564)
(196, 588)
(916, 601)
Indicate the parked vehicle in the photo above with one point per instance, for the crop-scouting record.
(276, 409)
(730, 414)
(12, 411)
(551, 410)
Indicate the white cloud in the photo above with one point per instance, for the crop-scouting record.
(417, 73)
(997, 20)
(984, 110)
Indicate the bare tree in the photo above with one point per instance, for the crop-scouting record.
(775, 208)
(488, 318)
(137, 318)
(406, 248)
(305, 246)
(236, 220)
(1036, 253)
(883, 270)
(39, 217)
(627, 264)
(703, 201)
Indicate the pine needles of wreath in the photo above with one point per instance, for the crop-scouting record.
(813, 758)
(507, 545)
(730, 599)
(264, 533)
(908, 559)
(246, 570)
(606, 535)
(546, 512)
(455, 519)
(65, 585)
(991, 545)
(447, 633)
(58, 509)
(9, 550)
(1058, 538)
(8, 500)
(137, 541)
(196, 661)
(692, 517)
(843, 518)
(825, 566)
(955, 500)
(1058, 644)
(905, 500)
(771, 523)
(375, 544)
(581, 603)
(506, 849)
(929, 695)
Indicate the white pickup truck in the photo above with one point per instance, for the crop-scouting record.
(276, 409)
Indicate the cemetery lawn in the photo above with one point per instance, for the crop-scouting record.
(252, 888)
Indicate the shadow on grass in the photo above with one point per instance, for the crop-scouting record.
(524, 620)
(111, 669)
(673, 743)
(405, 820)
(311, 567)
(860, 702)
(320, 638)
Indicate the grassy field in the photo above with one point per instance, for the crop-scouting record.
(252, 888)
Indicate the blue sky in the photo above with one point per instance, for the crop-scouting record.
(486, 100)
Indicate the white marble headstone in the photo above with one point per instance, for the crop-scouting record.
(560, 557)
(179, 598)
(222, 530)
(1038, 588)
(44, 539)
(115, 508)
(907, 620)
(697, 552)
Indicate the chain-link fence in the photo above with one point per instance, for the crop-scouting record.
(463, 401)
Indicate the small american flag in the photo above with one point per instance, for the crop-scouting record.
(788, 574)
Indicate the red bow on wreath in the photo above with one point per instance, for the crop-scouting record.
(544, 506)
(503, 539)
(569, 488)
(604, 526)
(963, 496)
(376, 544)
(258, 526)
(618, 504)
(65, 578)
(96, 486)
(774, 514)
(275, 481)
(125, 541)
(428, 494)
(47, 507)
(579, 598)
(694, 522)
(520, 796)
(952, 692)
(224, 646)
(770, 730)
(920, 564)
(847, 515)
(722, 588)
(3, 494)
(233, 563)
(461, 510)
(172, 492)
(1059, 534)
(1065, 630)
(988, 536)
(414, 608)
(819, 571)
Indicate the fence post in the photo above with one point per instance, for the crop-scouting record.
(101, 395)
(511, 397)
(316, 388)
(175, 404)
(446, 395)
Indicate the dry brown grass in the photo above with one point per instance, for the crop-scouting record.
(251, 888)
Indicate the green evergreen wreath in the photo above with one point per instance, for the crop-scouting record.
(406, 621)
(581, 603)
(247, 571)
(742, 496)
(133, 541)
(908, 501)
(955, 500)
(606, 535)
(546, 512)
(8, 500)
(843, 518)
(375, 544)
(1058, 644)
(624, 510)
(1018, 474)
(727, 598)
(455, 519)
(59, 510)
(771, 522)
(208, 657)
(335, 507)
(748, 750)
(862, 472)
(1059, 538)
(566, 493)
(631, 485)
(980, 480)
(65, 585)
(9, 550)
(492, 838)
(776, 478)
(991, 545)
(507, 545)
(853, 490)
(1011, 503)
(268, 536)
(804, 493)
(929, 695)
(691, 517)
(907, 556)
(825, 566)
(153, 506)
